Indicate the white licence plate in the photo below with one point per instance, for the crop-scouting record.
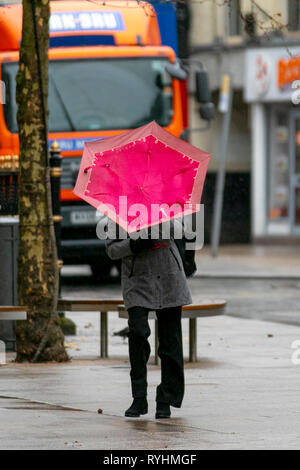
(83, 217)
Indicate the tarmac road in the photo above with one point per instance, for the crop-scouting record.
(276, 300)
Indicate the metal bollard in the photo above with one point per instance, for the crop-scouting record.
(55, 177)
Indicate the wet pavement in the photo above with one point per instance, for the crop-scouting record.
(242, 393)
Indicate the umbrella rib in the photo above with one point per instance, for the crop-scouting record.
(118, 176)
(168, 179)
(147, 186)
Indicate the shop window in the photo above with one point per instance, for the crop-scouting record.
(234, 18)
(294, 15)
(279, 166)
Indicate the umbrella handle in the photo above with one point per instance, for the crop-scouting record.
(159, 245)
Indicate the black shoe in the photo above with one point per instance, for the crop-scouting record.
(139, 407)
(162, 410)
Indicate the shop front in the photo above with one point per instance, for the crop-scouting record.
(272, 88)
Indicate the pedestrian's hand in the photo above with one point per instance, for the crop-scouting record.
(140, 244)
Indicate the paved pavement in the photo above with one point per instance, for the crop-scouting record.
(243, 393)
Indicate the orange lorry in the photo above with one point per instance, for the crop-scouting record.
(108, 72)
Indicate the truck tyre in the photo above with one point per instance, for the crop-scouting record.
(101, 270)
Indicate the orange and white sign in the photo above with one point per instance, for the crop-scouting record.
(288, 70)
(270, 74)
(262, 70)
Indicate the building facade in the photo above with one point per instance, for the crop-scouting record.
(272, 90)
(257, 43)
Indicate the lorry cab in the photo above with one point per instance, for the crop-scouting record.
(107, 73)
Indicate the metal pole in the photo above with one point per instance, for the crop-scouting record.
(55, 176)
(193, 340)
(103, 335)
(225, 106)
(156, 358)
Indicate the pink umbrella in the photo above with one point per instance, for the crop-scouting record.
(142, 177)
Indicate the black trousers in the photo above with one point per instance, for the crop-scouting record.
(171, 388)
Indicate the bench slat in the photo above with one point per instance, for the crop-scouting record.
(13, 315)
(206, 304)
(10, 312)
(203, 309)
(13, 308)
(90, 305)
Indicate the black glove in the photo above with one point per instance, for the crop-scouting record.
(140, 244)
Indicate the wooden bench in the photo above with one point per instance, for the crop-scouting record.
(205, 308)
(8, 312)
(101, 306)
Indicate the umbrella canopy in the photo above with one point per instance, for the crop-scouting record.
(142, 177)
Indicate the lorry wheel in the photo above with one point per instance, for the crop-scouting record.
(101, 271)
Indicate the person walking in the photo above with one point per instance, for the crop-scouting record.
(153, 278)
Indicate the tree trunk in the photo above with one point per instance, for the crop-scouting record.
(40, 337)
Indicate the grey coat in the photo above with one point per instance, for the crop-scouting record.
(154, 279)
